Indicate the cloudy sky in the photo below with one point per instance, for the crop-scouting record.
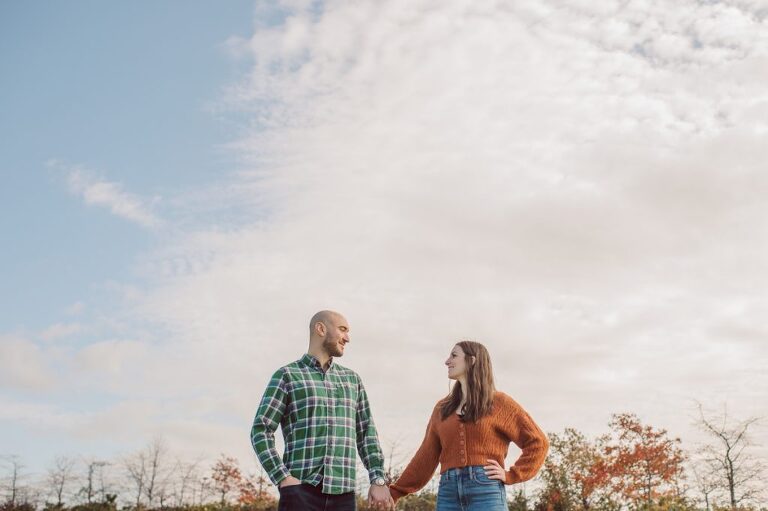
(579, 185)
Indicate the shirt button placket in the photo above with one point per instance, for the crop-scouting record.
(463, 451)
(330, 410)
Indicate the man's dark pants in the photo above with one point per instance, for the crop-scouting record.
(305, 497)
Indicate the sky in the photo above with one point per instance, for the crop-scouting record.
(581, 186)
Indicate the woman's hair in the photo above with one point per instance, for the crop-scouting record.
(479, 382)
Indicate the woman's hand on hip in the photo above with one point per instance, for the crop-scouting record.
(495, 471)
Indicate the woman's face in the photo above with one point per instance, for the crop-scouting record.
(456, 362)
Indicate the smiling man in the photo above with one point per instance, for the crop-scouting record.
(323, 411)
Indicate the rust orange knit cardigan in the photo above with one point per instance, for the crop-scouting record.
(453, 443)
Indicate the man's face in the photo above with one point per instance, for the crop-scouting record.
(336, 336)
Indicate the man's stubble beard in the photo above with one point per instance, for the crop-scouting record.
(331, 347)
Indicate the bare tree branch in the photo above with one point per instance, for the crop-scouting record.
(732, 468)
(16, 491)
(60, 476)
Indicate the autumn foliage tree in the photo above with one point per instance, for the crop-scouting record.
(226, 477)
(645, 466)
(575, 474)
(230, 484)
(253, 489)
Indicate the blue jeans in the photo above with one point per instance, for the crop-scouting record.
(469, 489)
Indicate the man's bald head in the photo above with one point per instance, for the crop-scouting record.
(327, 317)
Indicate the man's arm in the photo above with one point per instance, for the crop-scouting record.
(370, 451)
(268, 417)
(367, 438)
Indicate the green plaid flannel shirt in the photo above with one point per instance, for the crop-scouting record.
(324, 416)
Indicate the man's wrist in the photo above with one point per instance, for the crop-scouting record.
(280, 479)
(377, 477)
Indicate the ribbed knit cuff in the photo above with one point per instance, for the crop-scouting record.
(396, 494)
(512, 477)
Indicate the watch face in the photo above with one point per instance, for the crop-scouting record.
(378, 481)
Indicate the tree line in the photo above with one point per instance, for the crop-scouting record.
(632, 467)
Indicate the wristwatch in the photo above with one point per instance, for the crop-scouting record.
(379, 481)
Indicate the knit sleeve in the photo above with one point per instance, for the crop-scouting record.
(519, 427)
(422, 467)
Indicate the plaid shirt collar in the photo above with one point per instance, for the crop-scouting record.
(310, 361)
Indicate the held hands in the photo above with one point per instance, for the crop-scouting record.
(495, 471)
(379, 498)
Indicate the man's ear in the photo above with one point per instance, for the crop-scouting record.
(320, 328)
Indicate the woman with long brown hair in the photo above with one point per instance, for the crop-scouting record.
(469, 434)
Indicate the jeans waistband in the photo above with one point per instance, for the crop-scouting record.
(468, 471)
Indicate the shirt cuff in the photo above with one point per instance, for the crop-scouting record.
(375, 473)
(280, 474)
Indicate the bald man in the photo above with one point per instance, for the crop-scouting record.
(323, 411)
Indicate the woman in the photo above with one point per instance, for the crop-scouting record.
(469, 434)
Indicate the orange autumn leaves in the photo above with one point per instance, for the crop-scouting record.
(644, 464)
(228, 481)
(635, 465)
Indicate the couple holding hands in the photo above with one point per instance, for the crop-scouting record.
(323, 411)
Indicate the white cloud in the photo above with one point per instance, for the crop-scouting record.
(128, 424)
(110, 195)
(75, 309)
(579, 185)
(23, 365)
(59, 330)
(112, 357)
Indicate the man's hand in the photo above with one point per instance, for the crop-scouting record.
(379, 498)
(289, 481)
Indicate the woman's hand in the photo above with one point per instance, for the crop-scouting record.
(495, 471)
